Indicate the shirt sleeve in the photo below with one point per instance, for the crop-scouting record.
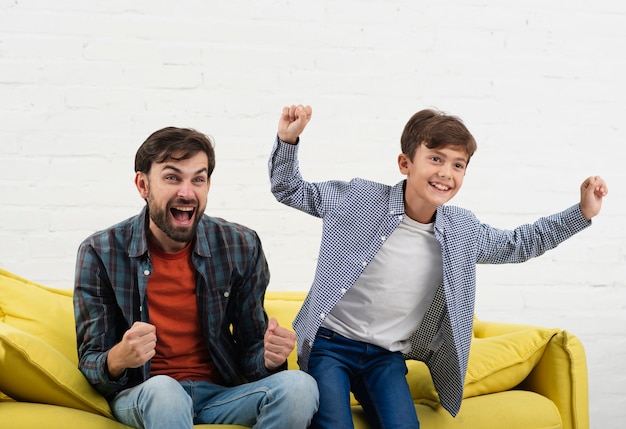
(250, 322)
(95, 322)
(497, 246)
(291, 189)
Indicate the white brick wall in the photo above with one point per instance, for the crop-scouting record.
(540, 84)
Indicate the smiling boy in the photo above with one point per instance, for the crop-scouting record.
(169, 312)
(396, 272)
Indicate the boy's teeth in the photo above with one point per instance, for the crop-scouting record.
(440, 187)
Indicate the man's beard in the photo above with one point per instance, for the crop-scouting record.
(162, 220)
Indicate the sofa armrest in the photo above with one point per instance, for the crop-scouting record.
(561, 376)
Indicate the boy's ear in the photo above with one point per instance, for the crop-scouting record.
(142, 184)
(403, 163)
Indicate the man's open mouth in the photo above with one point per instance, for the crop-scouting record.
(183, 214)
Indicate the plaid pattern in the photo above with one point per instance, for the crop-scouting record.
(358, 216)
(112, 274)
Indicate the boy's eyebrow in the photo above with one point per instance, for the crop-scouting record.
(459, 158)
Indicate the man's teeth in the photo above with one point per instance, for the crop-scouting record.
(184, 209)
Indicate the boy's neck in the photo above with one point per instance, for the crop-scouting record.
(420, 214)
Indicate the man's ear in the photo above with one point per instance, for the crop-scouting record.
(142, 183)
(403, 163)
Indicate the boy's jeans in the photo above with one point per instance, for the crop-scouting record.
(287, 399)
(376, 376)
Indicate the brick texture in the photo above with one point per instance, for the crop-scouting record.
(540, 85)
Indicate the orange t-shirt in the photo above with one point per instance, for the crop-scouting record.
(181, 350)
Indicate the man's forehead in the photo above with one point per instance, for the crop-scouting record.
(197, 162)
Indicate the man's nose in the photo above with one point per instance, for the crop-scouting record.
(185, 191)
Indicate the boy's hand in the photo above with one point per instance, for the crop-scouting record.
(292, 122)
(279, 342)
(592, 190)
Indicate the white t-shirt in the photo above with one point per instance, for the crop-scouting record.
(388, 301)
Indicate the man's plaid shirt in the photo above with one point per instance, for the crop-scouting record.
(112, 274)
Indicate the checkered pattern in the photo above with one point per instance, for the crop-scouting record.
(359, 215)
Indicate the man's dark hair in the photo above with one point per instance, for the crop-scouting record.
(176, 144)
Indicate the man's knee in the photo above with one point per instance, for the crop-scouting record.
(166, 392)
(157, 402)
(299, 387)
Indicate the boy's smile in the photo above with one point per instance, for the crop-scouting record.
(434, 177)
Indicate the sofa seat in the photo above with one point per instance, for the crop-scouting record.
(514, 409)
(518, 377)
(478, 412)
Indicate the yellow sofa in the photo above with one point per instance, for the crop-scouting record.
(519, 376)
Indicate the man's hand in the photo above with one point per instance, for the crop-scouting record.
(138, 345)
(279, 342)
(592, 190)
(292, 122)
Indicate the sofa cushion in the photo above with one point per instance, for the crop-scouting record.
(46, 313)
(496, 364)
(33, 371)
(502, 362)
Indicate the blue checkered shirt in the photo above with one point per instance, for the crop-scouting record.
(358, 216)
(112, 275)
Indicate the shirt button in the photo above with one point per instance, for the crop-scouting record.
(140, 308)
(226, 294)
(383, 238)
(146, 272)
(310, 343)
(322, 315)
(391, 212)
(343, 290)
(364, 263)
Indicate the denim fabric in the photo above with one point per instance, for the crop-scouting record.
(287, 399)
(376, 376)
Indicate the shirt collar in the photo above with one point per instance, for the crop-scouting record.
(396, 199)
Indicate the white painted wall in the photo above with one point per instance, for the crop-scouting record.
(540, 84)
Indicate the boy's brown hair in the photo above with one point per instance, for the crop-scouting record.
(435, 129)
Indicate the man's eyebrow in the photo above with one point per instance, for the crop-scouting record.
(179, 171)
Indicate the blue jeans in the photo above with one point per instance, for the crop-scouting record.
(287, 399)
(376, 376)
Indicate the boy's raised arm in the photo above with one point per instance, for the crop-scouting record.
(592, 190)
(292, 122)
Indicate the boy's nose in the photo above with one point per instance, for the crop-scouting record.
(444, 171)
